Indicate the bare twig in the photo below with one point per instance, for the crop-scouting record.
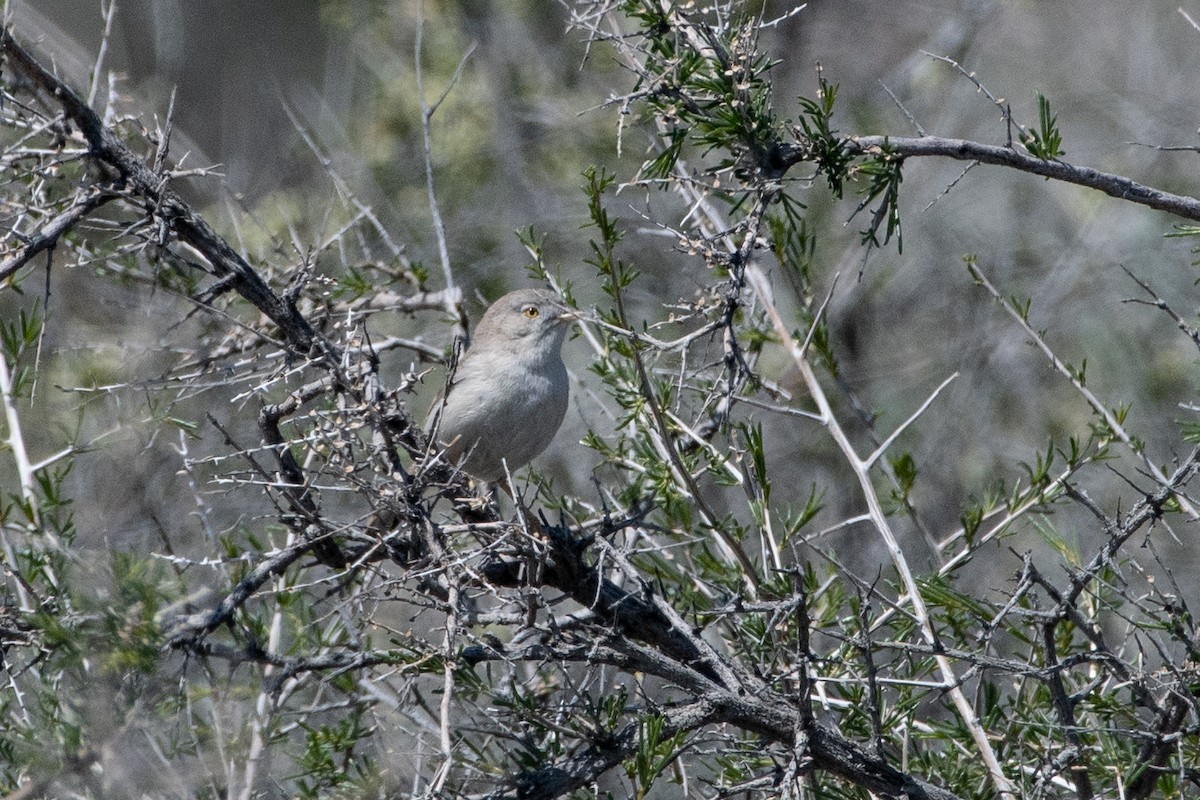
(879, 518)
(427, 112)
(1099, 408)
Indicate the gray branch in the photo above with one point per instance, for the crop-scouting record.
(964, 150)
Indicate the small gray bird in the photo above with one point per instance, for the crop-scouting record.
(509, 393)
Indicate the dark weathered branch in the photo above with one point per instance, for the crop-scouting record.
(1073, 757)
(676, 656)
(160, 200)
(186, 632)
(1155, 751)
(295, 487)
(290, 666)
(48, 235)
(631, 615)
(578, 770)
(764, 713)
(964, 150)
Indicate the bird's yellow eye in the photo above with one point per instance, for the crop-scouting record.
(530, 311)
